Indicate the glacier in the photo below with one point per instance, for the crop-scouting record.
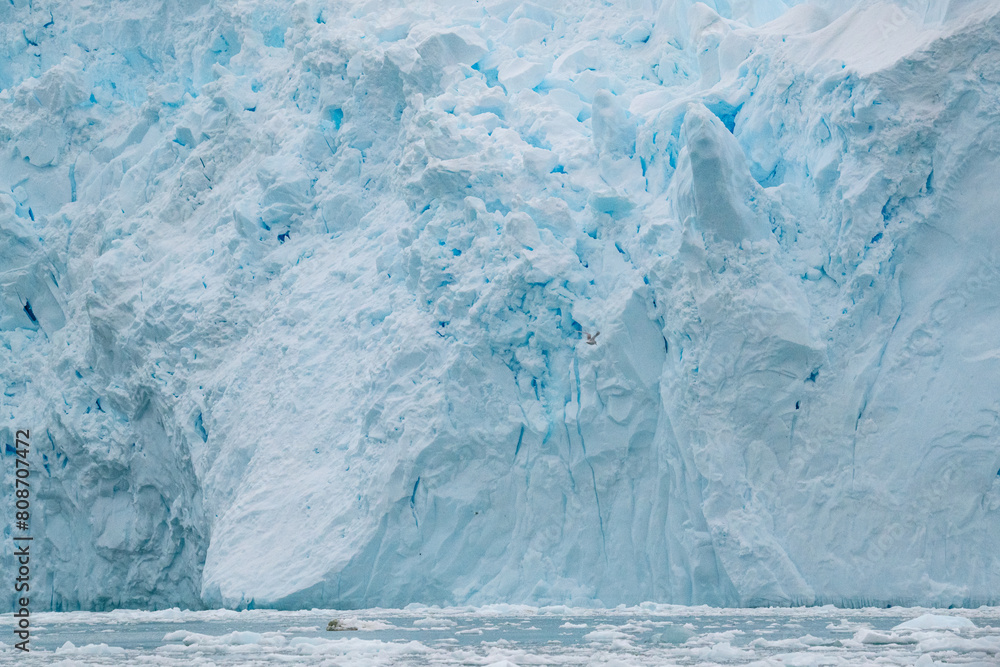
(294, 297)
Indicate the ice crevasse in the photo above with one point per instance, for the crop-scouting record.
(294, 299)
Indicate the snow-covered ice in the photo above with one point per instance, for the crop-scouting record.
(294, 298)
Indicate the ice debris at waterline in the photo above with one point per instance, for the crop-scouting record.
(336, 626)
(294, 294)
(513, 635)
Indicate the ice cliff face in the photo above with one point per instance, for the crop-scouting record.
(293, 301)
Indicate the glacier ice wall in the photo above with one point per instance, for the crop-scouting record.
(294, 295)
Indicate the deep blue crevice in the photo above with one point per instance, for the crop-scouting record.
(413, 502)
(199, 426)
(593, 473)
(336, 117)
(725, 112)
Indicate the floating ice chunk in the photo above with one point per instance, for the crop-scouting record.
(948, 641)
(843, 626)
(724, 652)
(431, 622)
(96, 650)
(794, 643)
(869, 636)
(370, 625)
(936, 622)
(606, 635)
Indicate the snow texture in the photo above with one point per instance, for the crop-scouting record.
(294, 297)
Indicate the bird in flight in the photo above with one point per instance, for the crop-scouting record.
(592, 338)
